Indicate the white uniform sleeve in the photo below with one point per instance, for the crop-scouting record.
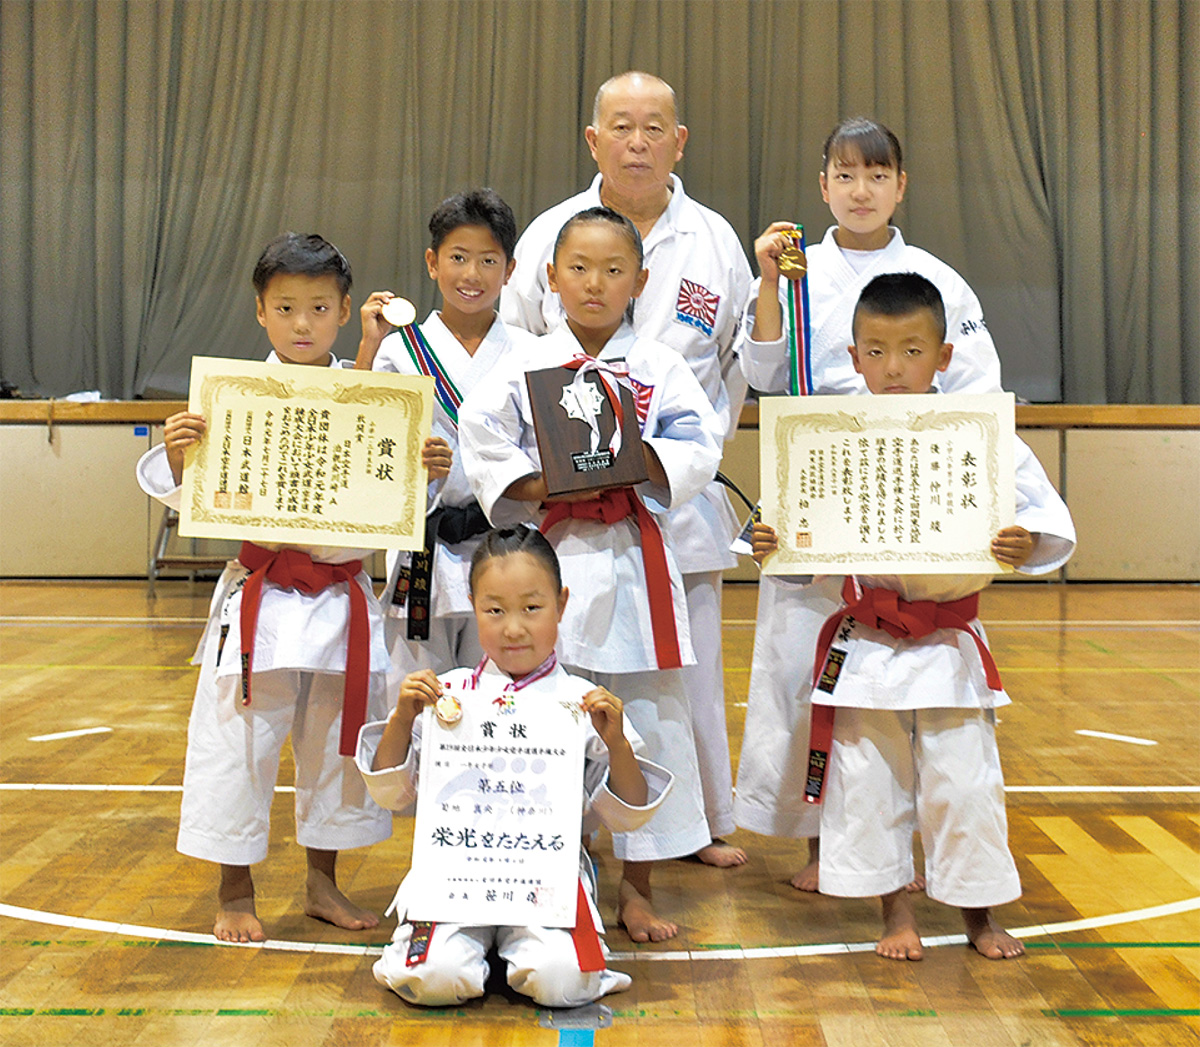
(974, 367)
(490, 424)
(154, 477)
(687, 436)
(764, 364)
(1041, 510)
(732, 377)
(521, 299)
(393, 788)
(602, 804)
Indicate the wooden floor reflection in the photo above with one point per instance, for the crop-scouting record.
(1103, 828)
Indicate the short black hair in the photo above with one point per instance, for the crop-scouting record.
(603, 214)
(475, 207)
(504, 541)
(898, 294)
(301, 254)
(870, 139)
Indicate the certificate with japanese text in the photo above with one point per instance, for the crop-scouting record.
(887, 484)
(496, 837)
(307, 455)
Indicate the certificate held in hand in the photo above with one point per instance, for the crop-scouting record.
(586, 424)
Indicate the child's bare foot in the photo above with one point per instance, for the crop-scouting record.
(808, 878)
(988, 938)
(900, 939)
(324, 901)
(636, 914)
(237, 920)
(721, 854)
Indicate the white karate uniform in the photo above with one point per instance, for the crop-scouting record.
(770, 784)
(698, 283)
(606, 627)
(298, 675)
(452, 636)
(914, 737)
(541, 960)
(834, 286)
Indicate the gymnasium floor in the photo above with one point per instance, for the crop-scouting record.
(105, 930)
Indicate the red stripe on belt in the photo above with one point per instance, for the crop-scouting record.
(880, 609)
(294, 569)
(616, 504)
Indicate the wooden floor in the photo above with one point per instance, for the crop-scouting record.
(104, 928)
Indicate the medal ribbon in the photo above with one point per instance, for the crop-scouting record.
(899, 618)
(428, 364)
(800, 339)
(542, 671)
(295, 569)
(615, 504)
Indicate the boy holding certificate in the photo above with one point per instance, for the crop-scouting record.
(293, 645)
(518, 600)
(904, 662)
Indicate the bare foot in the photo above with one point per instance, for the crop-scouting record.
(721, 854)
(900, 939)
(324, 901)
(808, 878)
(238, 922)
(917, 885)
(988, 938)
(636, 914)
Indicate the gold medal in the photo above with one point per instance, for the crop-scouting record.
(792, 263)
(399, 312)
(448, 710)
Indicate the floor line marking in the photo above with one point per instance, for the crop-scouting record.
(70, 734)
(131, 930)
(1117, 737)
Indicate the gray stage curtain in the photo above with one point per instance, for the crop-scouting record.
(149, 149)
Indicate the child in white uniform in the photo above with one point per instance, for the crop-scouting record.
(296, 680)
(609, 630)
(914, 742)
(518, 599)
(862, 180)
(429, 624)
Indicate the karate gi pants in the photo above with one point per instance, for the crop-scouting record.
(233, 761)
(704, 683)
(541, 964)
(657, 706)
(894, 771)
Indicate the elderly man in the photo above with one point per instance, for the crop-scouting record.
(699, 281)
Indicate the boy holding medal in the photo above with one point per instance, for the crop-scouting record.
(472, 236)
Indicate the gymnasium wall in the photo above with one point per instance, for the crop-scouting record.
(148, 148)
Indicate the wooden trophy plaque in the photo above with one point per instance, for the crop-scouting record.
(564, 435)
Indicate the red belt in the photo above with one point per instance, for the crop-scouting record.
(616, 504)
(293, 569)
(880, 609)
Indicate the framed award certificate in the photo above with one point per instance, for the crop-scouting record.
(307, 455)
(887, 484)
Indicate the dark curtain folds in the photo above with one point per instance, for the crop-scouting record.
(149, 149)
